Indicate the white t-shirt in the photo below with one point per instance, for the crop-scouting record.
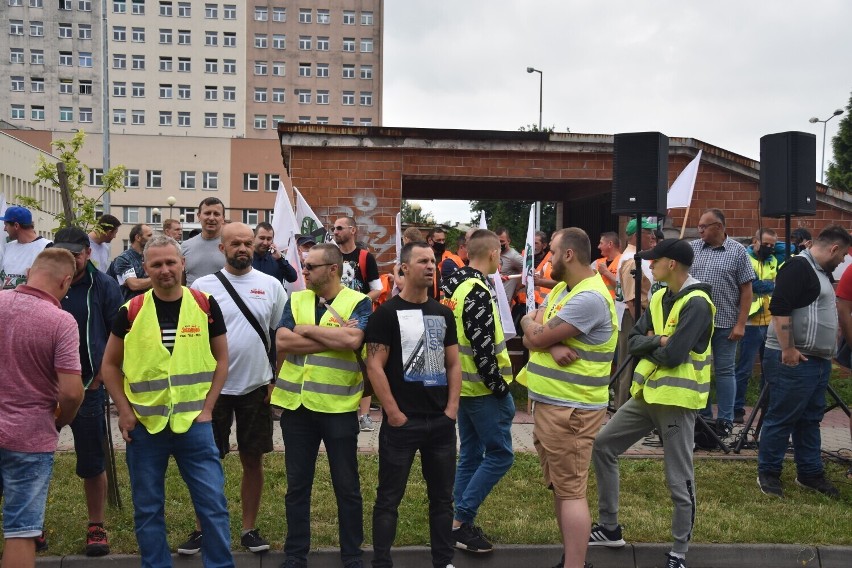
(17, 259)
(248, 365)
(100, 254)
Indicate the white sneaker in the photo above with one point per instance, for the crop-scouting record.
(366, 424)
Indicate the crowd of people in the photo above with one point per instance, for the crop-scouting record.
(190, 337)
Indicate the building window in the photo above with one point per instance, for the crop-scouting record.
(184, 119)
(272, 181)
(131, 179)
(16, 55)
(37, 30)
(211, 39)
(366, 122)
(367, 45)
(119, 33)
(323, 44)
(322, 97)
(304, 120)
(165, 36)
(279, 41)
(279, 14)
(188, 214)
(85, 86)
(37, 58)
(137, 90)
(165, 64)
(305, 15)
(184, 65)
(260, 67)
(322, 69)
(18, 112)
(138, 7)
(119, 7)
(137, 35)
(65, 5)
(16, 27)
(65, 31)
(184, 92)
(165, 90)
(211, 93)
(304, 96)
(187, 179)
(261, 14)
(251, 216)
(96, 177)
(229, 93)
(119, 61)
(166, 9)
(322, 120)
(131, 215)
(66, 59)
(276, 120)
(85, 115)
(210, 181)
(366, 71)
(119, 89)
(66, 86)
(348, 98)
(366, 98)
(16, 2)
(17, 83)
(184, 10)
(66, 114)
(210, 120)
(260, 41)
(85, 59)
(349, 18)
(349, 44)
(305, 43)
(260, 121)
(184, 37)
(277, 95)
(348, 71)
(211, 65)
(154, 179)
(137, 117)
(278, 68)
(84, 31)
(304, 69)
(119, 116)
(137, 62)
(211, 11)
(229, 66)
(250, 182)
(323, 17)
(36, 4)
(259, 95)
(229, 12)
(229, 39)
(229, 120)
(165, 118)
(366, 18)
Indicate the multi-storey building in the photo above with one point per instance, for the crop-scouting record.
(176, 74)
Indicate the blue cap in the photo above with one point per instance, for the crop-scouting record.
(19, 215)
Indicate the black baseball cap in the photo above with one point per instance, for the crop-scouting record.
(74, 239)
(678, 250)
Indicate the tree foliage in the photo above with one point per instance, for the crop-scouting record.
(839, 173)
(514, 215)
(535, 128)
(83, 208)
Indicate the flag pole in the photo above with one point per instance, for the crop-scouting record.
(685, 217)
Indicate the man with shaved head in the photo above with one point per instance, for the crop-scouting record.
(249, 384)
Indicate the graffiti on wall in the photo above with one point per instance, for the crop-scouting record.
(380, 239)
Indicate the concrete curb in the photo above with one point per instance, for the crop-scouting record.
(512, 556)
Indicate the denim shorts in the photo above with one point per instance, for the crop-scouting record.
(89, 433)
(24, 479)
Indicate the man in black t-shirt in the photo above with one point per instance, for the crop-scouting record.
(413, 364)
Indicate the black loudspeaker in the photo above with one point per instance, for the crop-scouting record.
(640, 173)
(787, 174)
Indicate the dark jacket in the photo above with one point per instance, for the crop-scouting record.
(279, 269)
(93, 301)
(693, 332)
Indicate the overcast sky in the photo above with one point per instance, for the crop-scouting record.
(722, 72)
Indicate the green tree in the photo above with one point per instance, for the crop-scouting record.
(839, 173)
(80, 209)
(514, 215)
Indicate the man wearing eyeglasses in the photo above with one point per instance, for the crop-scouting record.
(723, 263)
(319, 387)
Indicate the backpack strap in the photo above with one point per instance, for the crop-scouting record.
(362, 264)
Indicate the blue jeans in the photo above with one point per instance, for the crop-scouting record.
(24, 479)
(724, 354)
(751, 345)
(485, 450)
(303, 430)
(198, 461)
(796, 406)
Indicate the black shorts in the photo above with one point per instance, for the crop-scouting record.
(254, 422)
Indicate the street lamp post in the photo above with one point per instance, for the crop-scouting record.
(415, 210)
(814, 120)
(171, 201)
(155, 214)
(540, 92)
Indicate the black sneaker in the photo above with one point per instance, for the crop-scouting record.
(192, 544)
(40, 543)
(739, 416)
(770, 484)
(675, 562)
(469, 537)
(562, 563)
(601, 536)
(254, 542)
(819, 483)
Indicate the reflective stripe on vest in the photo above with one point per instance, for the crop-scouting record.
(168, 389)
(472, 383)
(686, 385)
(586, 379)
(329, 381)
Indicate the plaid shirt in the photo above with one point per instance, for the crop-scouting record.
(724, 267)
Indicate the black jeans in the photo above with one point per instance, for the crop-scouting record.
(303, 430)
(435, 437)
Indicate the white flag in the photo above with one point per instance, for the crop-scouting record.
(398, 235)
(502, 302)
(285, 228)
(308, 222)
(527, 277)
(680, 193)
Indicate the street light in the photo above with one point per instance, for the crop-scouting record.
(540, 92)
(814, 120)
(155, 213)
(171, 201)
(415, 210)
